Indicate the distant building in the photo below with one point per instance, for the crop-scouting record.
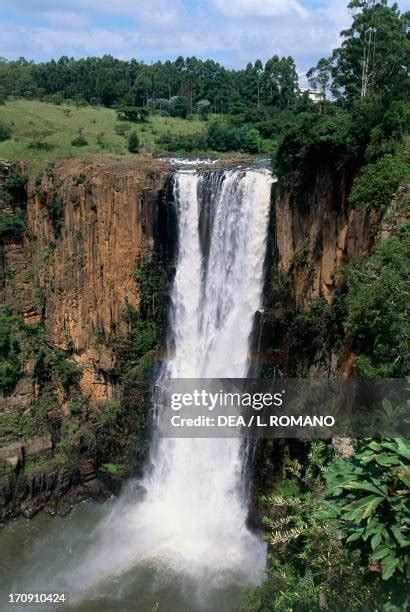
(313, 94)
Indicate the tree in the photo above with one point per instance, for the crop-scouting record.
(132, 113)
(133, 143)
(280, 82)
(374, 55)
(80, 140)
(37, 139)
(203, 107)
(179, 106)
(251, 141)
(320, 76)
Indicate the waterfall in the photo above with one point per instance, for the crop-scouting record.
(195, 490)
(192, 516)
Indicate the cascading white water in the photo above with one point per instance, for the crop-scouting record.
(194, 492)
(192, 517)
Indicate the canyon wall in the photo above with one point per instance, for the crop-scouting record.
(65, 283)
(301, 330)
(311, 237)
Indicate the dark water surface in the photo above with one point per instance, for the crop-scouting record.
(38, 555)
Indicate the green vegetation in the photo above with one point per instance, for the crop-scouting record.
(15, 424)
(10, 349)
(219, 137)
(13, 224)
(13, 188)
(145, 322)
(131, 84)
(378, 181)
(109, 413)
(371, 504)
(80, 140)
(227, 138)
(366, 122)
(318, 328)
(377, 309)
(13, 191)
(5, 132)
(179, 107)
(309, 566)
(18, 342)
(132, 113)
(337, 531)
(133, 143)
(53, 363)
(112, 468)
(93, 121)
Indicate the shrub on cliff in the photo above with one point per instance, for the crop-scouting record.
(133, 143)
(377, 183)
(10, 363)
(11, 224)
(377, 305)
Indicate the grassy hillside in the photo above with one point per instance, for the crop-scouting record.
(42, 131)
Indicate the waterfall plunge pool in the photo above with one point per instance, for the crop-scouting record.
(41, 555)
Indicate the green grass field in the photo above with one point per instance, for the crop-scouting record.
(30, 119)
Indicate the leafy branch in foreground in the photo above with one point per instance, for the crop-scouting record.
(370, 502)
(309, 568)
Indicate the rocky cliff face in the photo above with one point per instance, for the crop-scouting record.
(108, 214)
(320, 234)
(300, 332)
(311, 238)
(67, 280)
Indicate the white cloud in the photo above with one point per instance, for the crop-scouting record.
(259, 8)
(149, 11)
(233, 34)
(67, 19)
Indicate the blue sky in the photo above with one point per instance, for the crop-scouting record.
(230, 31)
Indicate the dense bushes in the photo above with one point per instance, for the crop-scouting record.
(344, 139)
(13, 191)
(13, 188)
(378, 181)
(80, 140)
(133, 143)
(179, 106)
(145, 322)
(377, 309)
(309, 566)
(10, 349)
(222, 137)
(13, 224)
(132, 113)
(370, 503)
(5, 132)
(186, 142)
(337, 531)
(314, 140)
(219, 137)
